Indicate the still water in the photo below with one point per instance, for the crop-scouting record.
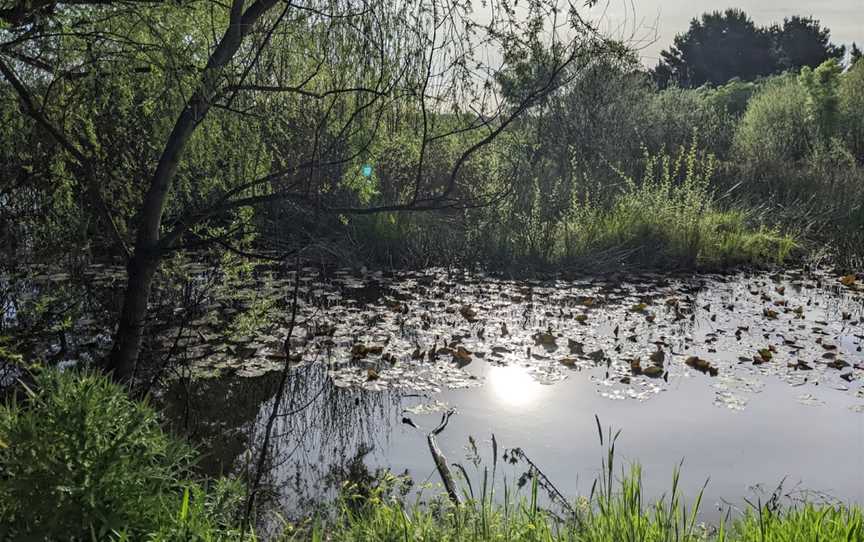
(775, 400)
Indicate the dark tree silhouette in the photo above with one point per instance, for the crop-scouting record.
(721, 46)
(802, 41)
(717, 48)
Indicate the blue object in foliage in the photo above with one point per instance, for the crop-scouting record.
(367, 170)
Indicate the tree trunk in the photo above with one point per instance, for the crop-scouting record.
(147, 253)
(127, 342)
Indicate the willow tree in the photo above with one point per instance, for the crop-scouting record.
(197, 87)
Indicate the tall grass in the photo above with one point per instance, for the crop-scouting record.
(618, 513)
(670, 218)
(805, 523)
(615, 511)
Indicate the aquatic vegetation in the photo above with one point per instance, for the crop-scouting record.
(669, 218)
(428, 331)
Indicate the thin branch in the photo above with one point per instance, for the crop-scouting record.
(84, 165)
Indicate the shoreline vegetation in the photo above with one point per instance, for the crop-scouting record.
(140, 484)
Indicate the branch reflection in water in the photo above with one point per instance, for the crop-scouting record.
(320, 431)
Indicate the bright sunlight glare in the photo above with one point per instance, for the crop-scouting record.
(513, 387)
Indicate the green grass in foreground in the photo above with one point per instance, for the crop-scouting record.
(619, 516)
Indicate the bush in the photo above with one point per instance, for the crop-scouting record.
(822, 85)
(852, 109)
(81, 461)
(776, 127)
(675, 115)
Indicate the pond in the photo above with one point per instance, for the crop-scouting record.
(752, 379)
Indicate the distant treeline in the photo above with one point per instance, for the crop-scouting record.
(721, 46)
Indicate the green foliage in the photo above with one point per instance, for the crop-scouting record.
(822, 85)
(851, 106)
(616, 512)
(8, 354)
(675, 116)
(660, 215)
(776, 127)
(553, 177)
(731, 98)
(208, 514)
(807, 523)
(669, 219)
(81, 461)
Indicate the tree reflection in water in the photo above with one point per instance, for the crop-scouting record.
(320, 431)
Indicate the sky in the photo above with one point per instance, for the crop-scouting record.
(845, 18)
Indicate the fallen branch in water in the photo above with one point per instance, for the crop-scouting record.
(441, 460)
(543, 480)
(438, 456)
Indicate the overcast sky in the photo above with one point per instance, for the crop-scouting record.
(845, 18)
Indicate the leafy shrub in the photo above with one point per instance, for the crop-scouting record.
(776, 127)
(823, 103)
(852, 109)
(674, 115)
(732, 97)
(79, 461)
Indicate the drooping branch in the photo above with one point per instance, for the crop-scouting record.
(145, 260)
(196, 109)
(431, 202)
(24, 11)
(83, 164)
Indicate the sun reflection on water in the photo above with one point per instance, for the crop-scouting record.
(513, 387)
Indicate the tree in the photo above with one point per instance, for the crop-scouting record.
(206, 95)
(716, 48)
(724, 46)
(855, 54)
(802, 41)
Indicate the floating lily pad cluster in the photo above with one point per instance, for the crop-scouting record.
(630, 335)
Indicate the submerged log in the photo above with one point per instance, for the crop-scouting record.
(441, 461)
